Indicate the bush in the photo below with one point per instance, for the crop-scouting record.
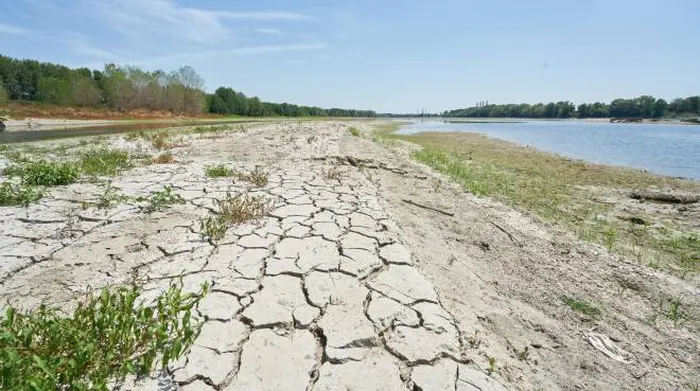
(43, 173)
(108, 337)
(218, 171)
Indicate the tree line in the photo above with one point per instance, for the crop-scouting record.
(127, 88)
(642, 107)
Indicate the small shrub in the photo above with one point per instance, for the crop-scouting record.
(213, 227)
(108, 337)
(164, 158)
(240, 208)
(110, 197)
(43, 173)
(218, 171)
(354, 131)
(580, 306)
(12, 195)
(159, 200)
(257, 177)
(105, 161)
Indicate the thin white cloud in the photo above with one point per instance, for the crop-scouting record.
(269, 31)
(240, 51)
(167, 17)
(13, 30)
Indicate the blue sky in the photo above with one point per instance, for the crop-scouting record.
(386, 55)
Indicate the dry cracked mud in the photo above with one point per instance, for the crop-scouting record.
(327, 291)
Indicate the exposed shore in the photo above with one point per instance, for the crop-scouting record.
(370, 270)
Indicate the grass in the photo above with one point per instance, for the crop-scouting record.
(218, 171)
(18, 195)
(580, 306)
(105, 161)
(43, 173)
(565, 192)
(108, 337)
(213, 227)
(354, 131)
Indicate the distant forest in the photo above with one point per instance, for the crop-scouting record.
(127, 88)
(642, 107)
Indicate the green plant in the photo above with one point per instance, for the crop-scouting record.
(111, 197)
(108, 336)
(213, 227)
(161, 199)
(105, 161)
(671, 309)
(11, 195)
(257, 177)
(218, 171)
(354, 131)
(43, 173)
(610, 237)
(580, 306)
(492, 366)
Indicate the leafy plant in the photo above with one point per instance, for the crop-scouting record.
(43, 173)
(108, 337)
(241, 208)
(159, 200)
(105, 161)
(218, 171)
(580, 306)
(11, 195)
(213, 227)
(110, 197)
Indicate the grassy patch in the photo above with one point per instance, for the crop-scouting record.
(580, 306)
(218, 171)
(105, 161)
(12, 195)
(241, 208)
(164, 158)
(111, 197)
(108, 337)
(43, 173)
(569, 193)
(354, 131)
(213, 227)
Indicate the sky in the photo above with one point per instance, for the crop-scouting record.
(387, 55)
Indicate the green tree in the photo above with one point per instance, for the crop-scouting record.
(54, 90)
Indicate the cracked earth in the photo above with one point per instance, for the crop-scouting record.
(342, 284)
(319, 294)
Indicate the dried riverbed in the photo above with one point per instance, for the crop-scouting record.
(343, 285)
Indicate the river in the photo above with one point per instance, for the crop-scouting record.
(666, 149)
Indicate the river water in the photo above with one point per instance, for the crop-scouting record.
(661, 148)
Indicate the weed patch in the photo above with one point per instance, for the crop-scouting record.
(43, 173)
(354, 131)
(162, 199)
(218, 171)
(257, 177)
(108, 337)
(241, 208)
(580, 306)
(105, 161)
(12, 195)
(213, 227)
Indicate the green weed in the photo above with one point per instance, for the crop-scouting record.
(580, 306)
(12, 195)
(218, 171)
(43, 173)
(241, 208)
(492, 366)
(108, 337)
(161, 199)
(111, 197)
(105, 161)
(213, 227)
(354, 131)
(257, 177)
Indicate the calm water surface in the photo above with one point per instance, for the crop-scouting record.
(665, 149)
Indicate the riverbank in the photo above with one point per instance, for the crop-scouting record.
(659, 121)
(359, 268)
